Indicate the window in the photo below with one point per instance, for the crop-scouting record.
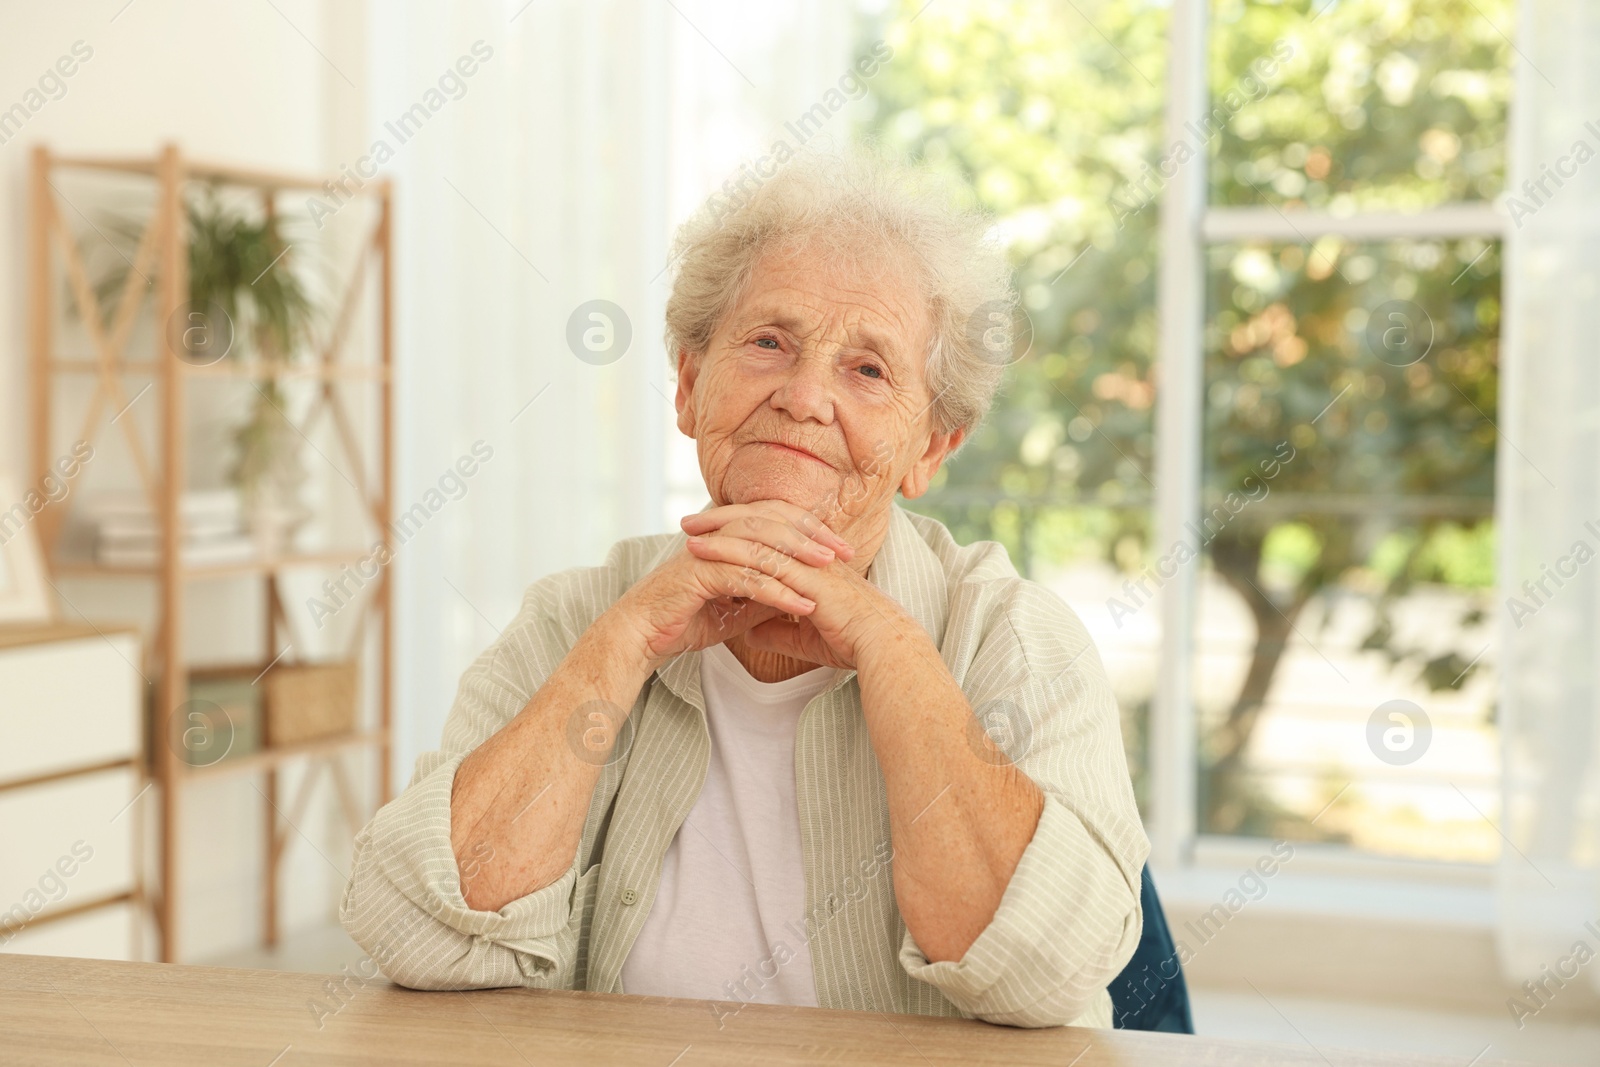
(1287, 562)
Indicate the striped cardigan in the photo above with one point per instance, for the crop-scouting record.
(1069, 918)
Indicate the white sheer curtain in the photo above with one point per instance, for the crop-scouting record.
(1549, 492)
(553, 179)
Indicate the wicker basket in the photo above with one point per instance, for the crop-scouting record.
(304, 702)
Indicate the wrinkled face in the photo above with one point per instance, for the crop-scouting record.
(812, 390)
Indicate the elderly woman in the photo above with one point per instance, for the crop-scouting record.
(755, 760)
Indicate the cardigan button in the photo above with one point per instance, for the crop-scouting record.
(833, 903)
(629, 896)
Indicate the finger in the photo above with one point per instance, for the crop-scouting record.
(795, 516)
(725, 579)
(779, 535)
(754, 557)
(809, 524)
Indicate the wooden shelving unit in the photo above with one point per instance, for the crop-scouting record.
(163, 253)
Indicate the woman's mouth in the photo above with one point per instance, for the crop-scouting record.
(797, 451)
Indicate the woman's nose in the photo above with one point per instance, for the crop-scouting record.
(806, 392)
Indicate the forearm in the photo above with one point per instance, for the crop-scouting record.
(959, 822)
(519, 800)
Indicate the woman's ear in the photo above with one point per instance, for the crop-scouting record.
(688, 369)
(940, 444)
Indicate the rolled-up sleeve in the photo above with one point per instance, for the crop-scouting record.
(403, 903)
(1070, 917)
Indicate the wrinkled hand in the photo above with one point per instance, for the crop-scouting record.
(696, 599)
(848, 611)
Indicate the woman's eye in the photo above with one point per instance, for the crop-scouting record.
(767, 342)
(870, 371)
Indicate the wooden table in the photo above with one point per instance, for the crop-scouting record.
(88, 1012)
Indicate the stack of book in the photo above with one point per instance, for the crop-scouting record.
(128, 533)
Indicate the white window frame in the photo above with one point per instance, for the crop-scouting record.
(1189, 226)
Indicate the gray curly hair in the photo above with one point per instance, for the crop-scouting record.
(851, 205)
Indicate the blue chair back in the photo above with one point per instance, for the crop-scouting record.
(1150, 993)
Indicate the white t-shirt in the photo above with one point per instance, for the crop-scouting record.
(727, 922)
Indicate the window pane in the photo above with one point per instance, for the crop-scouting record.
(1342, 647)
(1372, 104)
(1047, 110)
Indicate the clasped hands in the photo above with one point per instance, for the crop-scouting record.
(783, 548)
(769, 570)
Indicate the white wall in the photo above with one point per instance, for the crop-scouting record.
(227, 81)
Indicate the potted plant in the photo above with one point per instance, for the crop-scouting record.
(239, 268)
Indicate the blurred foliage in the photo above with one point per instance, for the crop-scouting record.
(239, 265)
(1393, 105)
(1053, 114)
(1392, 480)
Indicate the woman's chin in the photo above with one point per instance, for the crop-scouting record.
(813, 490)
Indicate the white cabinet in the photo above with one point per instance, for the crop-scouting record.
(71, 702)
